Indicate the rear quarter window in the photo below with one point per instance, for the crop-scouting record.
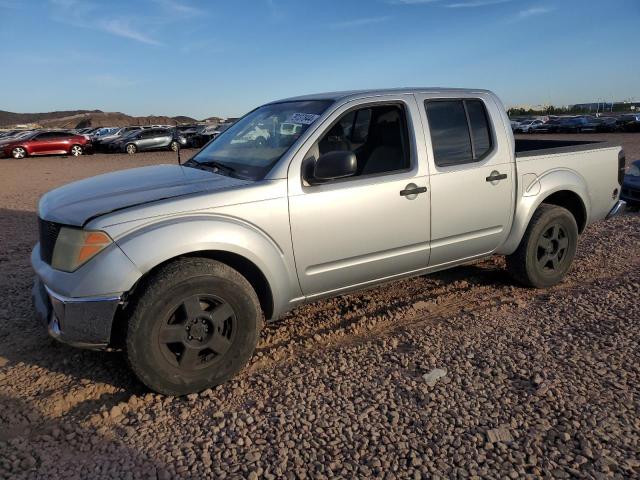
(480, 131)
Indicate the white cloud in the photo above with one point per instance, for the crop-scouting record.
(179, 8)
(475, 3)
(359, 22)
(122, 28)
(532, 12)
(412, 2)
(93, 15)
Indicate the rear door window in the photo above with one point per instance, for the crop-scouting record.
(460, 131)
(449, 132)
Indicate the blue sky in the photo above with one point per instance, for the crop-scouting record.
(214, 57)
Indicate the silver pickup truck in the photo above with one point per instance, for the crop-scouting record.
(180, 264)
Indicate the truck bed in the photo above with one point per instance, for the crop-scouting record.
(531, 147)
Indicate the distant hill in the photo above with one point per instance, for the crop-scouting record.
(87, 118)
(11, 118)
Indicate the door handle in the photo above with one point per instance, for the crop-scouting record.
(496, 176)
(412, 190)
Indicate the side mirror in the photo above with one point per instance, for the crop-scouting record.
(334, 165)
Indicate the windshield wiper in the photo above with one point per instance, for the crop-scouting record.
(214, 164)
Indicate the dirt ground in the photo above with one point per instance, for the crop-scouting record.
(538, 382)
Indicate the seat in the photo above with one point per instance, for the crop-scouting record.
(386, 154)
(334, 140)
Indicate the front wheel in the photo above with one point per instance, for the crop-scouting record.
(174, 146)
(547, 248)
(76, 150)
(194, 325)
(131, 148)
(18, 153)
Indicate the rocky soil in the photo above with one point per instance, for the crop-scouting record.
(459, 374)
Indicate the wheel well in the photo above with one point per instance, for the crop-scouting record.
(572, 202)
(239, 263)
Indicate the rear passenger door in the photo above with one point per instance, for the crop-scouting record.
(146, 141)
(60, 143)
(471, 176)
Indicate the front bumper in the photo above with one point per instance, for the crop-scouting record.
(617, 209)
(81, 322)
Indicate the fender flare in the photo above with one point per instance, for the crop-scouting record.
(535, 193)
(185, 235)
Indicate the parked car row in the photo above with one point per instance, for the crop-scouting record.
(137, 138)
(578, 124)
(132, 139)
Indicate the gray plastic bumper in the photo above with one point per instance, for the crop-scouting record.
(81, 322)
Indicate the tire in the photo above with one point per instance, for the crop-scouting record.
(174, 146)
(19, 153)
(547, 248)
(131, 148)
(172, 359)
(261, 141)
(76, 150)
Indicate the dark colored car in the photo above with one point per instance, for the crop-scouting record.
(550, 126)
(9, 133)
(629, 122)
(103, 143)
(192, 135)
(48, 143)
(572, 125)
(148, 139)
(631, 186)
(609, 124)
(632, 126)
(603, 124)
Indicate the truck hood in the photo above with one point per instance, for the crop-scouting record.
(78, 202)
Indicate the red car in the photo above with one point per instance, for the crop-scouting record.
(48, 143)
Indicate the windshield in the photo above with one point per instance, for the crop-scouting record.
(252, 145)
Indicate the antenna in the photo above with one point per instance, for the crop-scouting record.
(178, 143)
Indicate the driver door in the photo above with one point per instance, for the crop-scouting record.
(359, 230)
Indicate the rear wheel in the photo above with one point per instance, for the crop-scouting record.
(194, 325)
(76, 150)
(131, 148)
(18, 153)
(547, 248)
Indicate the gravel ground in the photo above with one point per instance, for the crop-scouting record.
(456, 374)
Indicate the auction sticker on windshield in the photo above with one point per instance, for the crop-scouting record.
(302, 118)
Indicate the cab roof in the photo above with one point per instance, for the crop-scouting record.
(353, 94)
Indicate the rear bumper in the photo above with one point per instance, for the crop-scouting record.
(617, 209)
(81, 322)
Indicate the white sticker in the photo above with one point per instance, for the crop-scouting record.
(302, 118)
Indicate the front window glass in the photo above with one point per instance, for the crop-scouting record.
(252, 145)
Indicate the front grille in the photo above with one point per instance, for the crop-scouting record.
(48, 235)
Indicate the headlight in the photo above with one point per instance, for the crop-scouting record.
(634, 171)
(74, 247)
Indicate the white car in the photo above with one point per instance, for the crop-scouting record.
(526, 126)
